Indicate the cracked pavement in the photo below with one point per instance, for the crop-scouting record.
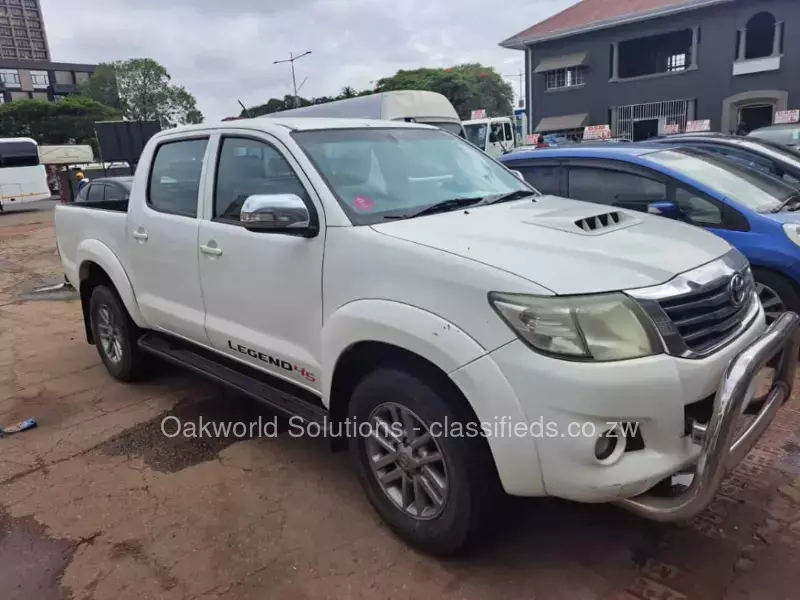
(97, 504)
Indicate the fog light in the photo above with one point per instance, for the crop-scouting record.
(605, 445)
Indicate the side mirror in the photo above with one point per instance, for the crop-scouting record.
(492, 138)
(664, 209)
(518, 175)
(285, 213)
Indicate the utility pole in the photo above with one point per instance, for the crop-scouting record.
(521, 76)
(291, 60)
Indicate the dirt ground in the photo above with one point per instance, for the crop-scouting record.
(97, 504)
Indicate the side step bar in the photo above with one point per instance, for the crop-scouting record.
(274, 393)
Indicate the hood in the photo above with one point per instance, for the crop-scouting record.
(784, 217)
(567, 246)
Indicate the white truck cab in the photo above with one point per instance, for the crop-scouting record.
(495, 136)
(459, 333)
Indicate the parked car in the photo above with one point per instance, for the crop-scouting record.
(104, 190)
(405, 293)
(770, 157)
(785, 135)
(755, 212)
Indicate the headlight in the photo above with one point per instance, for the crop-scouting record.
(792, 231)
(602, 328)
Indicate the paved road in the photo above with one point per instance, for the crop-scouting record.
(97, 504)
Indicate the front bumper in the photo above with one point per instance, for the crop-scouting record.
(722, 449)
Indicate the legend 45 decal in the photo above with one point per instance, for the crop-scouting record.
(273, 362)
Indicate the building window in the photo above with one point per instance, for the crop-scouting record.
(676, 62)
(40, 79)
(20, 96)
(64, 78)
(663, 53)
(9, 77)
(761, 33)
(40, 55)
(81, 78)
(565, 78)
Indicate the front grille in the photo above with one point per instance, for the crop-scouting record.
(708, 317)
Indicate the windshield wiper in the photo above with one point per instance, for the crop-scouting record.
(789, 200)
(444, 206)
(515, 195)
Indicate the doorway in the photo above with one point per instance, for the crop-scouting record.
(756, 116)
(645, 129)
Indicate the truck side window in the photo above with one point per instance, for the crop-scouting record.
(175, 179)
(507, 130)
(615, 188)
(250, 167)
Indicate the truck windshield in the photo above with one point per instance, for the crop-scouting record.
(392, 173)
(749, 187)
(476, 134)
(454, 128)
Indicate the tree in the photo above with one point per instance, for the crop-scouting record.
(69, 121)
(102, 86)
(468, 87)
(145, 92)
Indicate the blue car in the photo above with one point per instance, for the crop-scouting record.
(756, 213)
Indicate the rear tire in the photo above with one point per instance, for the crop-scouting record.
(115, 335)
(458, 470)
(776, 293)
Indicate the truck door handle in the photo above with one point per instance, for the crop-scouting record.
(211, 250)
(140, 234)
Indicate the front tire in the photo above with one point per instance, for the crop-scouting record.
(776, 293)
(432, 489)
(115, 335)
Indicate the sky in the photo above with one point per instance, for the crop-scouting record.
(223, 50)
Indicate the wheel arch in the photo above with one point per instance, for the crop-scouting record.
(98, 265)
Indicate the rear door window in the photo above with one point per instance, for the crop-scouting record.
(175, 177)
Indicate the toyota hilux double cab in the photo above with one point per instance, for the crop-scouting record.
(484, 338)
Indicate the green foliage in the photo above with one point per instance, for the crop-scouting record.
(468, 87)
(69, 121)
(144, 91)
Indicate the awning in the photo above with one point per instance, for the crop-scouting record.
(561, 62)
(563, 122)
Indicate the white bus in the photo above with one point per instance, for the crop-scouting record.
(22, 176)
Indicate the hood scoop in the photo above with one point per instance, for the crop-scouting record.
(602, 223)
(576, 220)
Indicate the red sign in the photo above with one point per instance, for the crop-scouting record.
(671, 129)
(478, 114)
(597, 132)
(533, 139)
(695, 126)
(783, 117)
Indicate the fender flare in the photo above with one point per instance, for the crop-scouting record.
(95, 251)
(408, 327)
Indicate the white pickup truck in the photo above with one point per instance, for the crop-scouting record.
(483, 337)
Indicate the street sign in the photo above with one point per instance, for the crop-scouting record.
(533, 139)
(783, 117)
(478, 114)
(671, 129)
(597, 132)
(696, 126)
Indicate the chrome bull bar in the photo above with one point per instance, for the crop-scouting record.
(720, 451)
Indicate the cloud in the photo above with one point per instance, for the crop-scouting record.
(222, 50)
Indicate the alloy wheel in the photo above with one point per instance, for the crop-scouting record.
(771, 301)
(407, 461)
(109, 333)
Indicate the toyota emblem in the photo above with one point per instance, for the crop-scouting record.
(737, 288)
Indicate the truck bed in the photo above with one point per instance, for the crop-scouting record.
(78, 224)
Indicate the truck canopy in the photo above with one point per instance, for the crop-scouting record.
(417, 105)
